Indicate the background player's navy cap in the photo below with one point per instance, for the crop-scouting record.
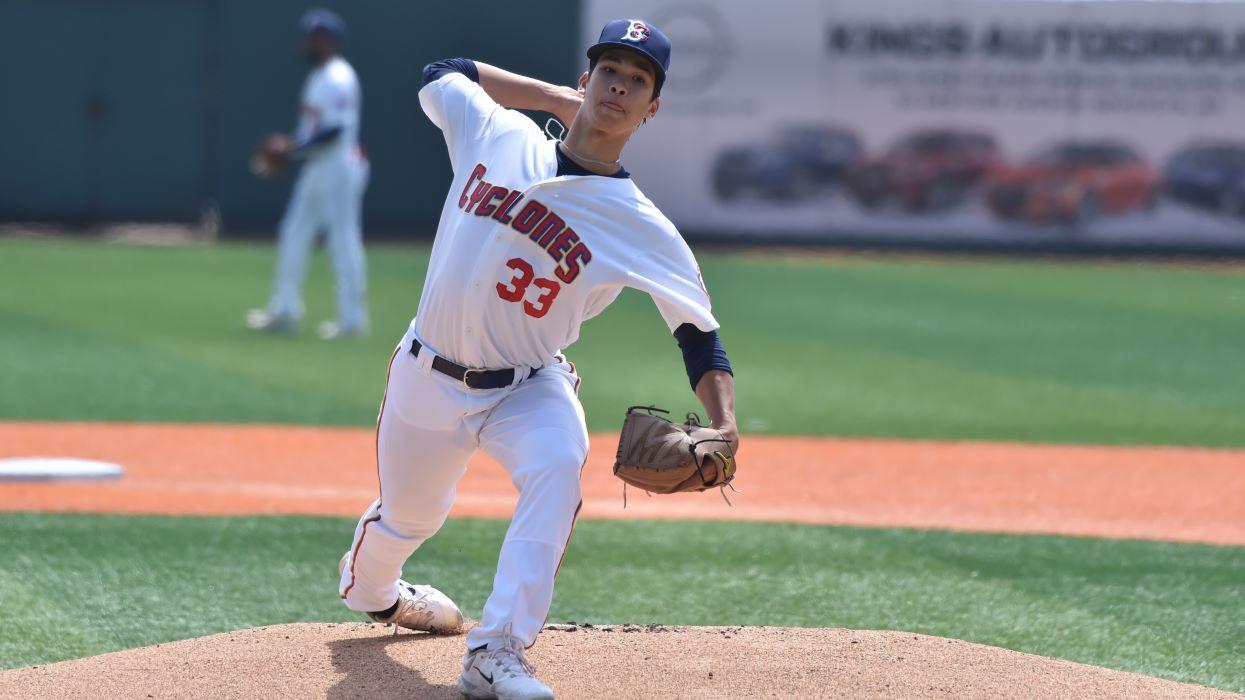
(636, 35)
(321, 20)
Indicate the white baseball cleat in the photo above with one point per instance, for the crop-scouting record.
(420, 608)
(503, 673)
(262, 320)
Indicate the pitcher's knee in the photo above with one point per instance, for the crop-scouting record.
(556, 477)
(410, 527)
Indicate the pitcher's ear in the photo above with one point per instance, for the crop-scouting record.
(583, 82)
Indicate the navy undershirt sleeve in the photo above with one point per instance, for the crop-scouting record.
(466, 66)
(702, 351)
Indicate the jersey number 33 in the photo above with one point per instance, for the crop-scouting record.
(524, 277)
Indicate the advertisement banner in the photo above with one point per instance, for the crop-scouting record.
(1111, 123)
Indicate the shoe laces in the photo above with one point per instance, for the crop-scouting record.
(510, 656)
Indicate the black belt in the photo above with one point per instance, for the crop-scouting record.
(474, 378)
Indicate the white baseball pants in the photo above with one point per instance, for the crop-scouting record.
(429, 426)
(328, 196)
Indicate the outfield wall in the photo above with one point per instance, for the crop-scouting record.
(148, 109)
(993, 122)
(809, 120)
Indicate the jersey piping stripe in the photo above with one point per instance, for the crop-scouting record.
(380, 494)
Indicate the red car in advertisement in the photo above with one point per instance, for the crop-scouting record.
(1073, 182)
(924, 171)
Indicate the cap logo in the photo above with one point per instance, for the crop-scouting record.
(636, 31)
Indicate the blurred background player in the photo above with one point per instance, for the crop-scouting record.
(328, 195)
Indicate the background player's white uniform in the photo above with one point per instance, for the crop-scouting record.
(328, 196)
(497, 297)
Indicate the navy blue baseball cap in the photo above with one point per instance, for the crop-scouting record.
(639, 36)
(321, 20)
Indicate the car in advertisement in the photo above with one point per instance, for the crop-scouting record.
(927, 170)
(1209, 175)
(795, 164)
(1073, 182)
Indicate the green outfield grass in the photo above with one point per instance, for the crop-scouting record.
(79, 585)
(1013, 350)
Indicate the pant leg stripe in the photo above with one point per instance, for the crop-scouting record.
(355, 553)
(380, 494)
(574, 519)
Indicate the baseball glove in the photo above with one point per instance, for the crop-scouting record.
(661, 456)
(272, 156)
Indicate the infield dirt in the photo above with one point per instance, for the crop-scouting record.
(1178, 494)
(356, 660)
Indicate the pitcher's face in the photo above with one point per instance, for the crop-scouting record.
(618, 93)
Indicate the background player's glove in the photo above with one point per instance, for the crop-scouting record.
(661, 456)
(272, 156)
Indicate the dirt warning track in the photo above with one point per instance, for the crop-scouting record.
(1179, 494)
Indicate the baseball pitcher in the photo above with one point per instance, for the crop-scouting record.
(535, 237)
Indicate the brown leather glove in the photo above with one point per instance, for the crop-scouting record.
(661, 456)
(272, 156)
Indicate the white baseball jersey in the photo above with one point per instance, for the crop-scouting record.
(523, 256)
(331, 97)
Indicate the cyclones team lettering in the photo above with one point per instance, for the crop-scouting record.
(534, 220)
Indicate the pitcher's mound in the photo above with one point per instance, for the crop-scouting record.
(350, 660)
